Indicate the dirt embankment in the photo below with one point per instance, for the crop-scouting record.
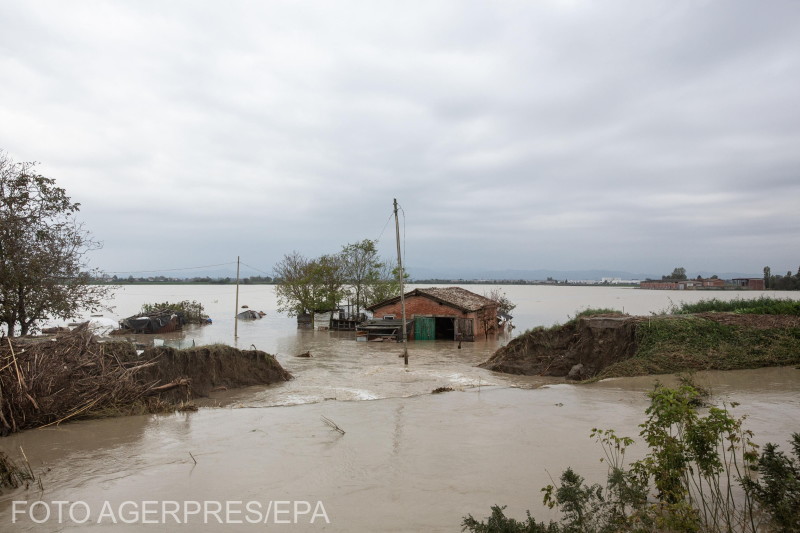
(74, 375)
(579, 349)
(604, 346)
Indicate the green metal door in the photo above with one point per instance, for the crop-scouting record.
(424, 328)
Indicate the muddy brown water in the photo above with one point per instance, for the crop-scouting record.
(408, 460)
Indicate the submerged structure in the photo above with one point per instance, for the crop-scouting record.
(450, 313)
(158, 321)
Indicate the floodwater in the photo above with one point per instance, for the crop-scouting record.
(407, 461)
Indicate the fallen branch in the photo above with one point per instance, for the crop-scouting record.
(183, 382)
(332, 424)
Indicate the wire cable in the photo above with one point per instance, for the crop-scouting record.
(385, 226)
(256, 269)
(167, 269)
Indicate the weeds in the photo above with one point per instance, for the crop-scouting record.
(757, 306)
(778, 490)
(696, 476)
(192, 312)
(690, 343)
(594, 311)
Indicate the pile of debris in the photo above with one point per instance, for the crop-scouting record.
(74, 375)
(157, 321)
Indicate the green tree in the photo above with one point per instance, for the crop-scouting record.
(384, 284)
(326, 279)
(679, 273)
(362, 268)
(308, 285)
(43, 252)
(295, 294)
(767, 278)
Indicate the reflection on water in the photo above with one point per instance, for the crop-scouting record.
(409, 460)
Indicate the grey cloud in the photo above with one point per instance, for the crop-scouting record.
(555, 134)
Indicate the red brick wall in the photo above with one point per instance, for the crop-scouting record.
(419, 305)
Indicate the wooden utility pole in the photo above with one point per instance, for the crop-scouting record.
(402, 288)
(236, 313)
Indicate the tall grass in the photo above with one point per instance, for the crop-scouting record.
(678, 344)
(757, 306)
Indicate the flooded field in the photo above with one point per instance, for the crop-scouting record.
(407, 461)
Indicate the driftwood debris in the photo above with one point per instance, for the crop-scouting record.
(74, 375)
(332, 424)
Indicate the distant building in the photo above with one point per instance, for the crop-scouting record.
(703, 284)
(755, 284)
(442, 313)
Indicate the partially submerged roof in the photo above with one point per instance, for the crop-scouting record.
(453, 296)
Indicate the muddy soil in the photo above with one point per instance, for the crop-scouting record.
(578, 350)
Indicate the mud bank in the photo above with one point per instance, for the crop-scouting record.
(74, 376)
(619, 345)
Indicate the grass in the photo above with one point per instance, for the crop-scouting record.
(685, 343)
(593, 311)
(756, 306)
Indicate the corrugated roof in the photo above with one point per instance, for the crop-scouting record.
(453, 296)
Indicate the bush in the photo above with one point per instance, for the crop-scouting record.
(778, 490)
(193, 312)
(756, 306)
(695, 477)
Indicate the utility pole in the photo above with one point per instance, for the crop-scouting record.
(402, 289)
(236, 313)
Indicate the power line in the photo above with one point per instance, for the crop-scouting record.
(168, 269)
(256, 269)
(385, 226)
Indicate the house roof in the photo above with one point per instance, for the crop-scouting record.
(453, 296)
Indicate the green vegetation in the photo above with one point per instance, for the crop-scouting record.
(586, 313)
(755, 306)
(192, 312)
(594, 311)
(789, 282)
(43, 251)
(778, 490)
(356, 274)
(697, 476)
(168, 280)
(679, 273)
(677, 344)
(684, 342)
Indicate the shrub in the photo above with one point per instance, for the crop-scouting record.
(755, 306)
(778, 490)
(193, 311)
(696, 466)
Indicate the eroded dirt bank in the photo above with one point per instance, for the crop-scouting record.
(74, 375)
(619, 345)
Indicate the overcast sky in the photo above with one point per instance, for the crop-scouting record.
(561, 134)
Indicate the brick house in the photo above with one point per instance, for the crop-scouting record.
(443, 313)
